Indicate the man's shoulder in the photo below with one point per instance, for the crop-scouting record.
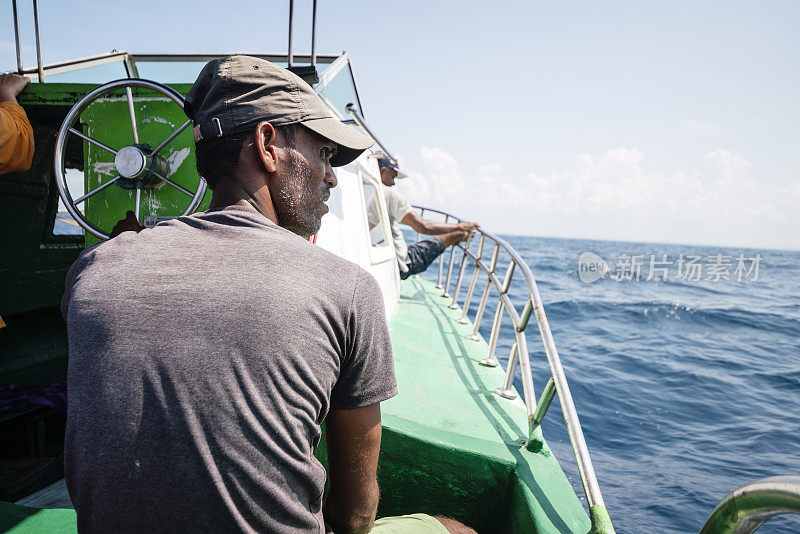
(394, 194)
(396, 203)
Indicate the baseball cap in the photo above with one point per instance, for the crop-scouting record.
(234, 93)
(389, 163)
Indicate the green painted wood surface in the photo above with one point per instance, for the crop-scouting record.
(23, 519)
(67, 94)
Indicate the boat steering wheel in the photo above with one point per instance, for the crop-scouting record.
(137, 166)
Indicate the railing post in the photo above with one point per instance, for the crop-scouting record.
(468, 298)
(525, 316)
(421, 214)
(39, 62)
(441, 265)
(485, 296)
(490, 360)
(527, 374)
(449, 271)
(290, 55)
(507, 389)
(543, 404)
(459, 279)
(20, 67)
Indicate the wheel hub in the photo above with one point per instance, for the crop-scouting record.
(130, 162)
(137, 168)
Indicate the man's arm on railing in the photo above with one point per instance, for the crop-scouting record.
(428, 227)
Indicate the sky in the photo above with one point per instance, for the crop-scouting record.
(674, 122)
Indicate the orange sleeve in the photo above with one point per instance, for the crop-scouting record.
(16, 138)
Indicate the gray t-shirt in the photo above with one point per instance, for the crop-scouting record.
(398, 207)
(203, 356)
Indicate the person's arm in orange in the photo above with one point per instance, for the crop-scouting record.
(16, 133)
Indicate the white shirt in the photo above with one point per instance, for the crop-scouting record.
(398, 207)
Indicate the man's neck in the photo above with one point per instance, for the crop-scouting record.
(232, 193)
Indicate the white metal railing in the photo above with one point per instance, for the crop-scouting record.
(491, 246)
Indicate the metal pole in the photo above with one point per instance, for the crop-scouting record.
(449, 271)
(485, 296)
(290, 58)
(16, 37)
(421, 214)
(585, 468)
(351, 109)
(527, 379)
(314, 34)
(460, 278)
(441, 266)
(490, 360)
(526, 315)
(507, 391)
(544, 403)
(468, 298)
(38, 41)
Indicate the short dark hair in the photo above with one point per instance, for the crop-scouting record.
(219, 156)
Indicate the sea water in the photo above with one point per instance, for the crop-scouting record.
(686, 388)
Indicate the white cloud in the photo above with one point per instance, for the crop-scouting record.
(615, 196)
(440, 181)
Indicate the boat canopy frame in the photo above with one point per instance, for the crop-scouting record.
(42, 70)
(491, 246)
(131, 60)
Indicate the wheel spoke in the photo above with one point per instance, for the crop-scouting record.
(138, 201)
(173, 184)
(93, 141)
(93, 192)
(133, 115)
(172, 136)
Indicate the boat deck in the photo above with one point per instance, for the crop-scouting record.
(455, 401)
(450, 445)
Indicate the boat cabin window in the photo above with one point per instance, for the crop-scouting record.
(170, 71)
(64, 224)
(337, 87)
(375, 216)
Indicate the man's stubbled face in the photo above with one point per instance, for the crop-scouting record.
(303, 187)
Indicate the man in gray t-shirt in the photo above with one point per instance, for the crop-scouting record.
(205, 353)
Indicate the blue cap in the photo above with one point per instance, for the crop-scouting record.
(389, 163)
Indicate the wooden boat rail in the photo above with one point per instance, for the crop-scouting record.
(492, 246)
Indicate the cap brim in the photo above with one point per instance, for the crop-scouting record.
(351, 142)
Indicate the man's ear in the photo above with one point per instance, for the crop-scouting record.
(265, 148)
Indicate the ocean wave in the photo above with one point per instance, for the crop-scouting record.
(675, 311)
